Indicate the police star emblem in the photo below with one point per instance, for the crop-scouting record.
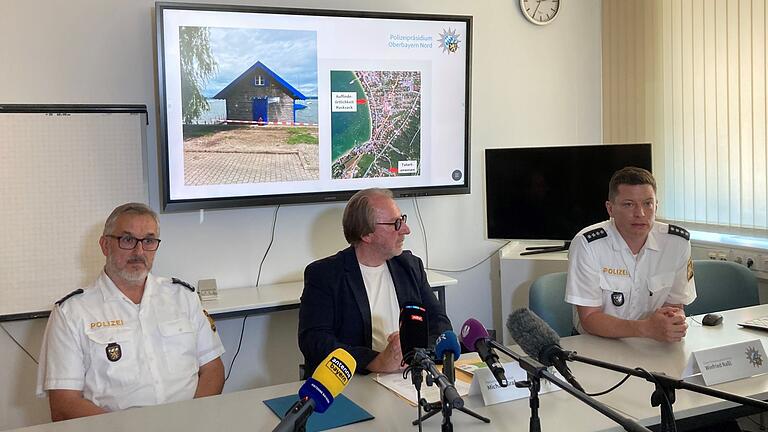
(754, 357)
(449, 41)
(114, 352)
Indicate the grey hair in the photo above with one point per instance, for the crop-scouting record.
(359, 217)
(132, 208)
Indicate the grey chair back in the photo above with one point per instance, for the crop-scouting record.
(722, 285)
(547, 300)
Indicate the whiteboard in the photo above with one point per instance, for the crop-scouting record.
(62, 171)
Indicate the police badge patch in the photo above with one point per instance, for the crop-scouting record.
(210, 320)
(690, 268)
(114, 352)
(617, 298)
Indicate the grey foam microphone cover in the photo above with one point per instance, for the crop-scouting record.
(532, 333)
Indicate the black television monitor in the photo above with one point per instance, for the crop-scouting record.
(551, 193)
(262, 106)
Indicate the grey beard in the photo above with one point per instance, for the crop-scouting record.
(130, 276)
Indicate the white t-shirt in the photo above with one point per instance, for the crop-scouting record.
(602, 271)
(382, 298)
(122, 355)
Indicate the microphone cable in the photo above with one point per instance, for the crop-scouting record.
(623, 380)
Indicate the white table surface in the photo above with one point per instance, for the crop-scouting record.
(245, 411)
(633, 397)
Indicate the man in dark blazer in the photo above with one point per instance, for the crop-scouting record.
(352, 300)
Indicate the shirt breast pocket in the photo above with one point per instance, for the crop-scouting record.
(113, 357)
(616, 290)
(179, 341)
(661, 284)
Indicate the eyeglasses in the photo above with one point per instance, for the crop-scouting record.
(397, 223)
(128, 242)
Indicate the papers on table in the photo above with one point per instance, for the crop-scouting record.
(405, 389)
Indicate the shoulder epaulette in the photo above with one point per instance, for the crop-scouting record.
(679, 231)
(66, 297)
(595, 234)
(182, 283)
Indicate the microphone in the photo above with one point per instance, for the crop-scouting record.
(414, 329)
(318, 392)
(447, 348)
(475, 337)
(540, 341)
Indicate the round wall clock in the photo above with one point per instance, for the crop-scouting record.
(540, 12)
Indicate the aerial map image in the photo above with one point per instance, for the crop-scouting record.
(375, 124)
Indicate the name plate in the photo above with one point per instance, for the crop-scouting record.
(727, 363)
(483, 382)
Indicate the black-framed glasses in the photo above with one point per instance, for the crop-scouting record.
(128, 242)
(397, 223)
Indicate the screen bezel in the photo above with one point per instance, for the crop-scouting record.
(171, 205)
(533, 234)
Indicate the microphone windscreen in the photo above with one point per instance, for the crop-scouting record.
(447, 343)
(531, 333)
(471, 332)
(414, 328)
(329, 379)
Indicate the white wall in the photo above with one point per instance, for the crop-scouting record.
(531, 86)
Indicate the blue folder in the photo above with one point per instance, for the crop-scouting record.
(341, 412)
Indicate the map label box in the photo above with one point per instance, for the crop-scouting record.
(343, 102)
(407, 167)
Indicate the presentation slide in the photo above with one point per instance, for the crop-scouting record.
(272, 104)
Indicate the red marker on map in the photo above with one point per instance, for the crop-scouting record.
(362, 101)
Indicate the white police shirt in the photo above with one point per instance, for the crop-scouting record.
(122, 355)
(603, 272)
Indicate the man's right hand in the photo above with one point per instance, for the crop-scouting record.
(666, 324)
(390, 359)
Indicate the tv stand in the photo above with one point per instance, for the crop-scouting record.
(533, 250)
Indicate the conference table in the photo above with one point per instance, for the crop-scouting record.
(245, 410)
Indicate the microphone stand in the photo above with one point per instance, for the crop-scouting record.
(666, 385)
(536, 371)
(449, 397)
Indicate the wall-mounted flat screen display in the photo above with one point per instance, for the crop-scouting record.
(551, 193)
(273, 105)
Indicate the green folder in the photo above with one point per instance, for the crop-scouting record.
(341, 412)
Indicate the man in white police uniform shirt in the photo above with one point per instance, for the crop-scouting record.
(631, 276)
(131, 339)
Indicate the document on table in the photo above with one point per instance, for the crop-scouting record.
(405, 389)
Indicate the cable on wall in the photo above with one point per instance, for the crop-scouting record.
(426, 247)
(258, 278)
(17, 343)
(423, 232)
(271, 240)
(495, 251)
(239, 344)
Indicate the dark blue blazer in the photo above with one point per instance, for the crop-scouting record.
(335, 312)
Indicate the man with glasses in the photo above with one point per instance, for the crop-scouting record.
(131, 338)
(630, 276)
(352, 300)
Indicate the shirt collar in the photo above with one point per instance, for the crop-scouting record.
(619, 243)
(111, 292)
